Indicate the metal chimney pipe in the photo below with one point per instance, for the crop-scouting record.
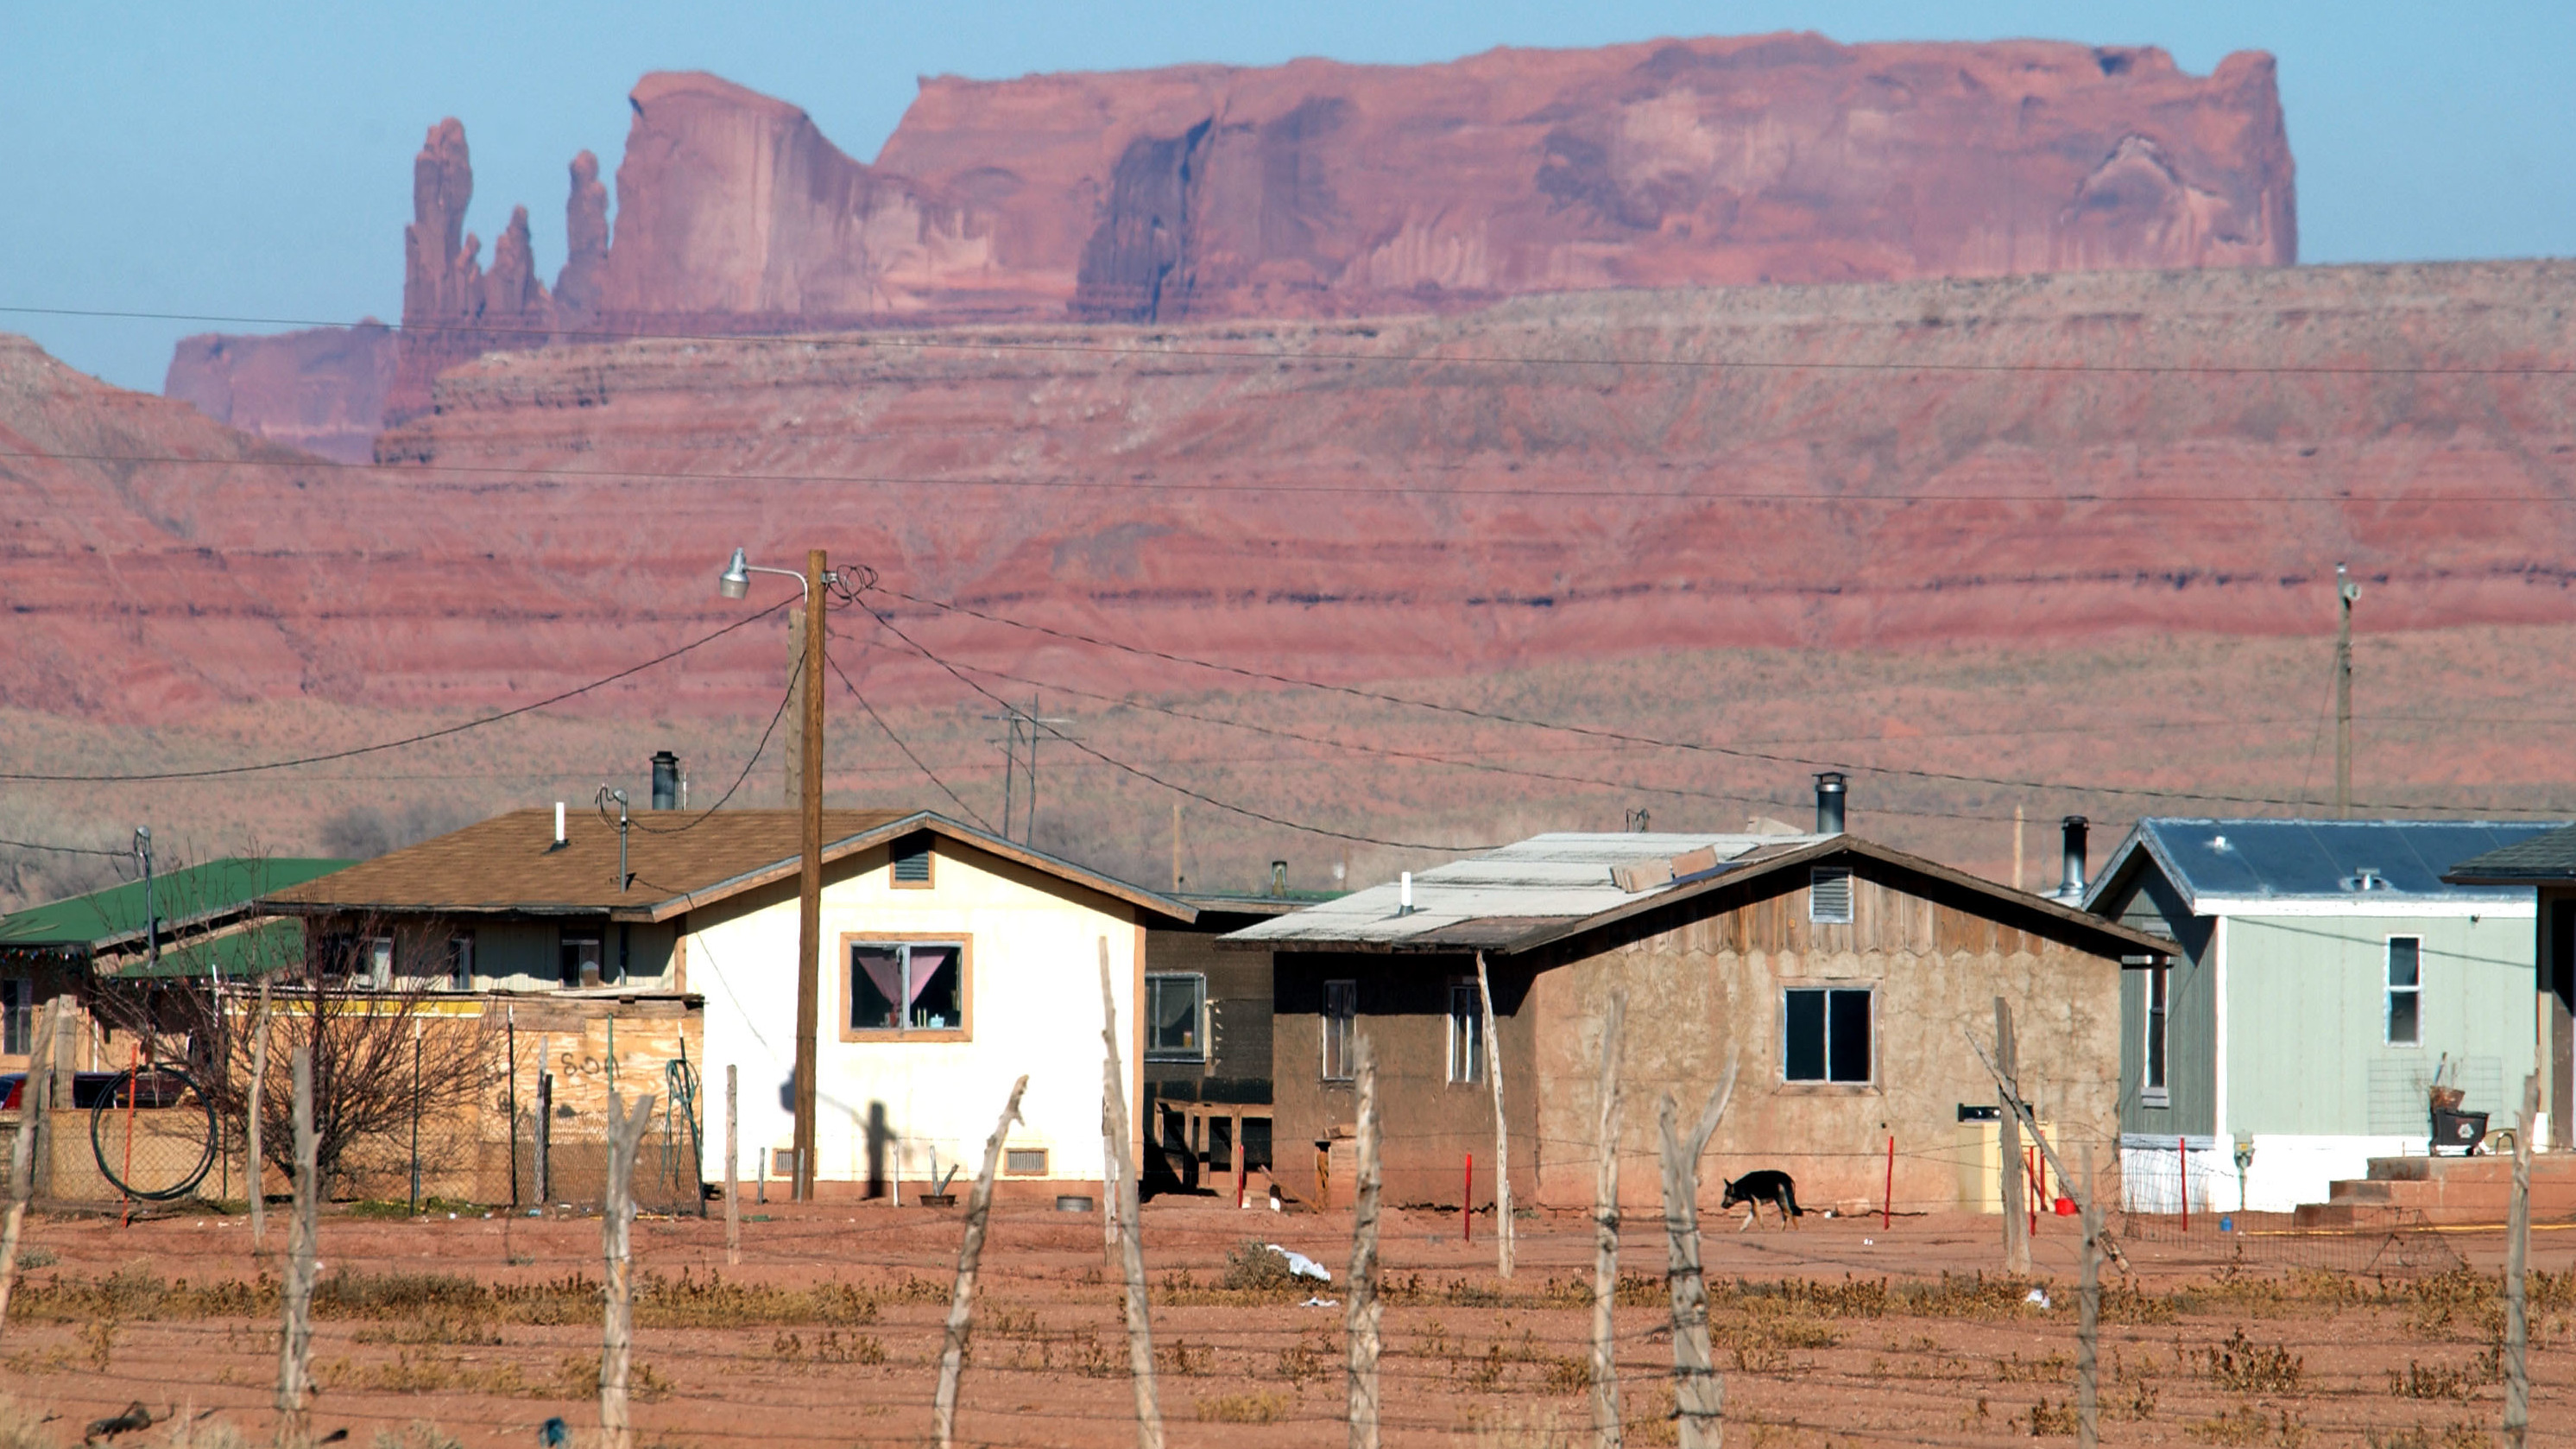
(666, 780)
(1279, 879)
(2072, 887)
(1830, 792)
(559, 825)
(1404, 893)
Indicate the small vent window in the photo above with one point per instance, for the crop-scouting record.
(1829, 896)
(1024, 1161)
(912, 863)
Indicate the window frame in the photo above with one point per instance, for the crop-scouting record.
(2389, 991)
(965, 944)
(1467, 1020)
(930, 858)
(1199, 1029)
(1851, 883)
(1825, 1045)
(2155, 1059)
(460, 960)
(568, 937)
(1340, 1033)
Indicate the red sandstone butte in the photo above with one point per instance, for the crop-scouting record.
(1323, 189)
(321, 389)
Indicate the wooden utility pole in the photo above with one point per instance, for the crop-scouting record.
(1176, 845)
(792, 781)
(1605, 1232)
(2017, 858)
(1502, 1128)
(35, 1101)
(1362, 1310)
(970, 1254)
(295, 1342)
(1126, 1240)
(2088, 1321)
(2015, 1105)
(617, 1218)
(256, 1170)
(2008, 1142)
(2346, 592)
(2517, 1263)
(733, 1170)
(809, 878)
(1699, 1395)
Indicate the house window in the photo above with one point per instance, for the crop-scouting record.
(1829, 896)
(1341, 1025)
(578, 960)
(2405, 991)
(912, 863)
(380, 963)
(2159, 983)
(1024, 1162)
(1175, 1016)
(1826, 1035)
(1466, 1033)
(907, 986)
(460, 961)
(17, 1014)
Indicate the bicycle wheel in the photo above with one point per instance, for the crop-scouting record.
(153, 1133)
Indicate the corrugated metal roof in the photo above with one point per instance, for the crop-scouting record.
(101, 919)
(1500, 896)
(2315, 860)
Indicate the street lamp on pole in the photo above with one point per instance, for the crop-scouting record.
(735, 583)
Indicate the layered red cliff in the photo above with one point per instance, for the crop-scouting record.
(1567, 477)
(1323, 189)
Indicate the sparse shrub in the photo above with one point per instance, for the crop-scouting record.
(2248, 1425)
(1255, 1407)
(2251, 1368)
(2429, 1381)
(1251, 1266)
(2047, 1420)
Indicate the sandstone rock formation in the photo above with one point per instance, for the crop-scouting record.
(321, 389)
(2023, 461)
(1323, 189)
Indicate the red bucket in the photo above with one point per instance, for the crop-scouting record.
(2064, 1207)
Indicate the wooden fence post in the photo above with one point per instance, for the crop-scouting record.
(1362, 1310)
(539, 1134)
(970, 1253)
(617, 1216)
(2014, 1104)
(35, 1101)
(295, 1343)
(733, 1173)
(2008, 1143)
(1605, 1232)
(256, 1174)
(1126, 1233)
(1699, 1395)
(1502, 1131)
(2088, 1320)
(2517, 1262)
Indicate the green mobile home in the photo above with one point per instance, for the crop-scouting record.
(2323, 974)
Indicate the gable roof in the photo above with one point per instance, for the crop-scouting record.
(676, 861)
(1550, 888)
(107, 920)
(2246, 866)
(2548, 855)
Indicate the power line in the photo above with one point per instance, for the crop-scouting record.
(930, 343)
(793, 675)
(1179, 789)
(65, 849)
(407, 740)
(1595, 731)
(1138, 484)
(927, 772)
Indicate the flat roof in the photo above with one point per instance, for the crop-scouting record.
(2238, 866)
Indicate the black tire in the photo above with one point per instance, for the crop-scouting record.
(108, 1114)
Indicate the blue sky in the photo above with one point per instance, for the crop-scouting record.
(255, 160)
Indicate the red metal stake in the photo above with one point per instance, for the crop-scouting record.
(2182, 1154)
(1467, 1204)
(133, 1084)
(1887, 1204)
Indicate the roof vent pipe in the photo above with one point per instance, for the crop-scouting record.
(666, 780)
(1829, 802)
(559, 833)
(1404, 893)
(1279, 879)
(2072, 887)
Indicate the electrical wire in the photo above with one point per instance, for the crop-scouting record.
(793, 675)
(1950, 777)
(66, 849)
(407, 740)
(921, 342)
(958, 800)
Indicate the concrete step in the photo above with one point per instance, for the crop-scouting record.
(2544, 1166)
(2408, 1191)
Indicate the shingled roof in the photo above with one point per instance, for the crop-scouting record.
(2536, 859)
(676, 861)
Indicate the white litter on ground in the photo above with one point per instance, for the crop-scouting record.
(2036, 1295)
(1301, 1266)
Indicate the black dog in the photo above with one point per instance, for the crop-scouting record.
(1756, 1188)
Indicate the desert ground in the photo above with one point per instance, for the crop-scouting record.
(1844, 1331)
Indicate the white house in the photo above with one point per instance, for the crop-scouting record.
(953, 962)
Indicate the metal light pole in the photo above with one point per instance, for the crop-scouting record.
(734, 583)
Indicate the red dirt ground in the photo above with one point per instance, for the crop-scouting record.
(1468, 1359)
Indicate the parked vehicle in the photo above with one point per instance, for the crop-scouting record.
(154, 1089)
